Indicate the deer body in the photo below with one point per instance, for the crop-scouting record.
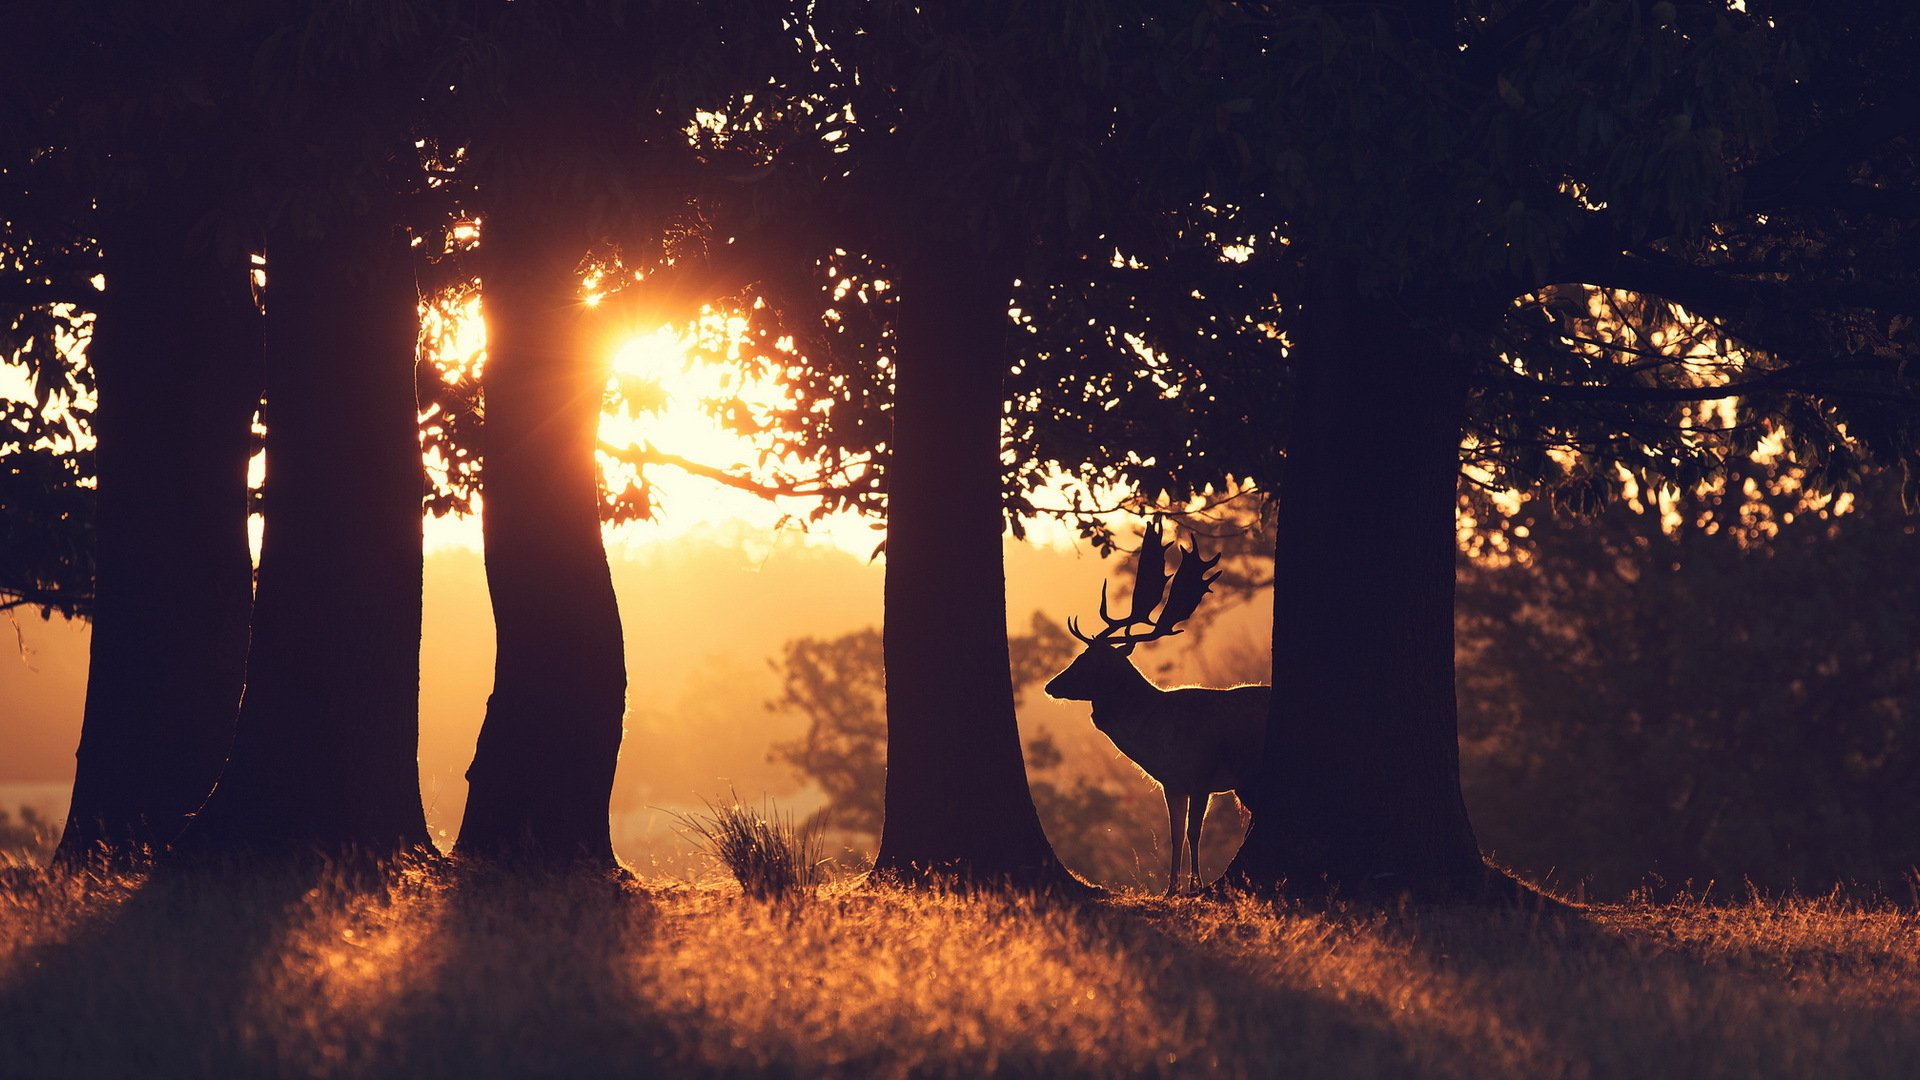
(1193, 740)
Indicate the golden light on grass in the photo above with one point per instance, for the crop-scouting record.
(425, 972)
(348, 957)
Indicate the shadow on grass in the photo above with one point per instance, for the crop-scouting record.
(1599, 995)
(160, 985)
(1210, 977)
(527, 975)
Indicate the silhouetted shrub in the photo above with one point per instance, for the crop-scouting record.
(767, 853)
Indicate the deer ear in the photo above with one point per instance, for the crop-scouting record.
(1124, 650)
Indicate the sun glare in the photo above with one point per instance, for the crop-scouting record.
(670, 400)
(666, 397)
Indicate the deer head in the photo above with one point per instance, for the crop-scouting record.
(1105, 658)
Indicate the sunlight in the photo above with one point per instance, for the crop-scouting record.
(666, 400)
(663, 397)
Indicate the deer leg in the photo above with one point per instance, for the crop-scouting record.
(1176, 812)
(1196, 817)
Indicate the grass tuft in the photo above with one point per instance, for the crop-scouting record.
(768, 854)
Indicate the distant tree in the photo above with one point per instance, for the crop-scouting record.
(838, 686)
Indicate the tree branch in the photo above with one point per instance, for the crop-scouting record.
(1797, 379)
(1709, 292)
(648, 455)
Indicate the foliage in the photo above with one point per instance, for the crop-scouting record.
(770, 856)
(422, 971)
(1023, 139)
(1613, 212)
(46, 527)
(47, 260)
(1727, 694)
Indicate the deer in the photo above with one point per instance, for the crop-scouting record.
(1193, 741)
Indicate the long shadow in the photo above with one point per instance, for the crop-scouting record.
(525, 976)
(1605, 1000)
(1258, 1026)
(159, 986)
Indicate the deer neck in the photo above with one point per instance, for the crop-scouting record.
(1127, 704)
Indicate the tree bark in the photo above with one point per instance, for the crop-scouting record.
(957, 801)
(176, 352)
(542, 774)
(326, 755)
(1360, 789)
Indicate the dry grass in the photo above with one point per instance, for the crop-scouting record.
(417, 972)
(766, 852)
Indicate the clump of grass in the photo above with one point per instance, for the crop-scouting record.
(770, 855)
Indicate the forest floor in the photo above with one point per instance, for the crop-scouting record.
(414, 973)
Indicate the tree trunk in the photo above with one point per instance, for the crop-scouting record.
(542, 774)
(176, 353)
(327, 751)
(1361, 784)
(957, 800)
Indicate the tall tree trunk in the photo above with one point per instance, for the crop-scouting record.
(176, 353)
(1361, 784)
(327, 750)
(542, 774)
(956, 798)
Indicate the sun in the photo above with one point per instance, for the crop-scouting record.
(662, 356)
(669, 388)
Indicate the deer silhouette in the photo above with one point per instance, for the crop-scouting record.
(1194, 741)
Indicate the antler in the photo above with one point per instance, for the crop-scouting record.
(1191, 582)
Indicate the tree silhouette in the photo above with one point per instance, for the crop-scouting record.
(561, 168)
(543, 771)
(1509, 165)
(321, 758)
(173, 354)
(951, 153)
(326, 750)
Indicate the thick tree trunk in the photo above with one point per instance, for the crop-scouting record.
(1361, 785)
(957, 800)
(326, 754)
(542, 774)
(176, 352)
